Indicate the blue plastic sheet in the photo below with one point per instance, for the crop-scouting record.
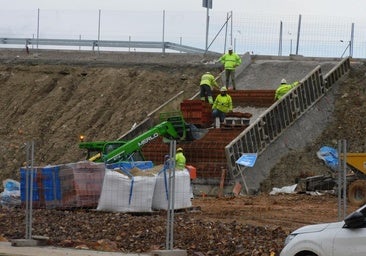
(11, 194)
(330, 157)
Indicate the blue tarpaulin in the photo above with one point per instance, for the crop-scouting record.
(330, 156)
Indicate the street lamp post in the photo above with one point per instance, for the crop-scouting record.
(208, 5)
(290, 42)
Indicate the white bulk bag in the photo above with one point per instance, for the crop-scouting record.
(182, 195)
(123, 193)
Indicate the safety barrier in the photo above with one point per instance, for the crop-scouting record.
(282, 114)
(104, 43)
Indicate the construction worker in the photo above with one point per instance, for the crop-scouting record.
(282, 119)
(284, 88)
(230, 61)
(180, 159)
(207, 82)
(223, 104)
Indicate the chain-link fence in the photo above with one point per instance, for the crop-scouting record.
(262, 34)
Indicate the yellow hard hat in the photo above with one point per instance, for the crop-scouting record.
(223, 89)
(179, 149)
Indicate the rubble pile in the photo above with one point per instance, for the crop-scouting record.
(106, 231)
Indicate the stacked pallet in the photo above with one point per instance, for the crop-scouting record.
(63, 186)
(197, 112)
(81, 184)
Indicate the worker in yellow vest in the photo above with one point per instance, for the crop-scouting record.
(180, 159)
(223, 104)
(283, 88)
(207, 83)
(230, 60)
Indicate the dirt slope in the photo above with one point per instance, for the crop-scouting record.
(46, 99)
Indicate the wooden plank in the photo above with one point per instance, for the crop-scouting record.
(222, 181)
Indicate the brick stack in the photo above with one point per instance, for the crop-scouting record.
(197, 112)
(254, 98)
(81, 184)
(64, 186)
(206, 154)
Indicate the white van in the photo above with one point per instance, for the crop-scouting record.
(344, 238)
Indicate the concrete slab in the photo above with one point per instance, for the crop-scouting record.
(27, 242)
(6, 249)
(266, 73)
(176, 252)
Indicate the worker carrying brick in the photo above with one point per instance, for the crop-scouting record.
(180, 159)
(283, 88)
(230, 61)
(207, 83)
(223, 104)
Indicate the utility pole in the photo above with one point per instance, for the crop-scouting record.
(208, 5)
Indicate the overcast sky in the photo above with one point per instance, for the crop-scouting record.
(350, 8)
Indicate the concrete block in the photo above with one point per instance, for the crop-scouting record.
(176, 252)
(35, 241)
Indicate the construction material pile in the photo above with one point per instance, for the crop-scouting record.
(119, 187)
(138, 190)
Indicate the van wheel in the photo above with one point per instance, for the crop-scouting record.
(357, 193)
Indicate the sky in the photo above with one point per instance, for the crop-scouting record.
(350, 8)
(325, 23)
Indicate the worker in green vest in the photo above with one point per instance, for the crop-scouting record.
(230, 60)
(207, 83)
(283, 88)
(180, 159)
(223, 104)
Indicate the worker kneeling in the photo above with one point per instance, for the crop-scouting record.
(222, 105)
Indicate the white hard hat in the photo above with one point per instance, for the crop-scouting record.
(283, 81)
(179, 149)
(223, 89)
(230, 48)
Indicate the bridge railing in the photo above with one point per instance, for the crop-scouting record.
(282, 114)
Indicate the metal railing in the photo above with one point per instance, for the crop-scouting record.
(103, 43)
(282, 114)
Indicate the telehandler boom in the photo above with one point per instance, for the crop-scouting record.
(173, 128)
